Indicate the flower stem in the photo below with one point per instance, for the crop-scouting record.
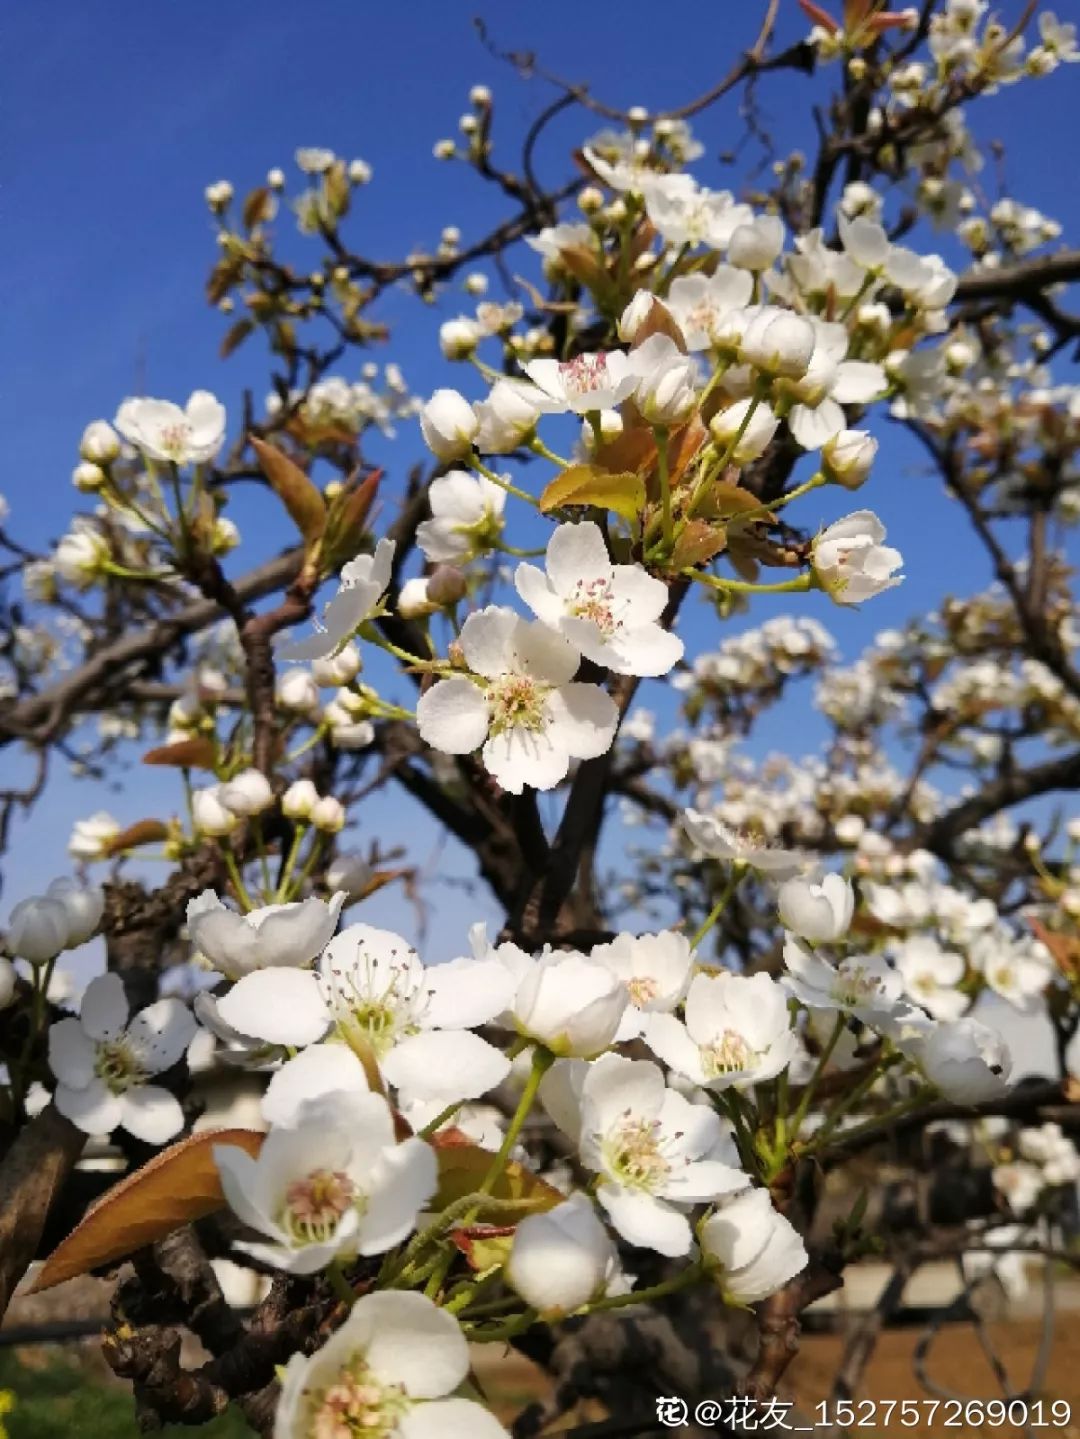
(738, 869)
(237, 881)
(798, 584)
(819, 1069)
(340, 1285)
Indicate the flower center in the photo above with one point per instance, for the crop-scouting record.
(633, 1154)
(854, 985)
(594, 600)
(374, 1003)
(585, 373)
(174, 439)
(642, 990)
(355, 1405)
(314, 1205)
(117, 1064)
(729, 1054)
(517, 702)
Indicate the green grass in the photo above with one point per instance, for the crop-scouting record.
(58, 1398)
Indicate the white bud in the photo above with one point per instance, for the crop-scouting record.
(219, 196)
(413, 601)
(758, 432)
(328, 814)
(299, 799)
(275, 179)
(339, 669)
(634, 316)
(448, 425)
(88, 478)
(967, 1061)
(84, 904)
(561, 1259)
(752, 1249)
(37, 930)
(848, 458)
(298, 690)
(210, 814)
(755, 246)
(779, 343)
(590, 200)
(458, 339)
(359, 172)
(444, 149)
(819, 912)
(100, 444)
(480, 96)
(247, 793)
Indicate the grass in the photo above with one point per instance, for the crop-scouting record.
(54, 1395)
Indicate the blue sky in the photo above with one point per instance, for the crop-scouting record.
(117, 116)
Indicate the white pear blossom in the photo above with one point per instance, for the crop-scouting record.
(523, 708)
(336, 1184)
(81, 554)
(566, 1000)
(84, 904)
(163, 431)
(596, 381)
(753, 1248)
(448, 425)
(718, 841)
(247, 793)
(656, 1154)
(666, 393)
(737, 1031)
(608, 612)
(750, 423)
(92, 838)
(38, 929)
(757, 244)
(819, 911)
(563, 1258)
(703, 306)
(778, 342)
(210, 815)
(103, 1060)
(507, 418)
(848, 457)
(850, 561)
(966, 1060)
(416, 1019)
(361, 588)
(387, 1371)
(274, 934)
(930, 976)
(1019, 972)
(829, 382)
(860, 984)
(655, 969)
(466, 518)
(686, 214)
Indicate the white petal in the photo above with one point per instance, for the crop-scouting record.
(583, 719)
(543, 652)
(239, 1176)
(161, 1033)
(520, 757)
(466, 992)
(812, 427)
(858, 382)
(645, 1221)
(151, 1114)
(453, 716)
(669, 1040)
(445, 1064)
(104, 1009)
(93, 1109)
(648, 650)
(413, 1343)
(403, 1180)
(281, 1006)
(320, 1070)
(71, 1053)
(450, 1419)
(534, 589)
(487, 640)
(575, 553)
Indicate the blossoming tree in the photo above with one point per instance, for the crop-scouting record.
(573, 1118)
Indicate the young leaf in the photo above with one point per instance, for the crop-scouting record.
(143, 831)
(301, 497)
(587, 485)
(196, 753)
(462, 1168)
(177, 1186)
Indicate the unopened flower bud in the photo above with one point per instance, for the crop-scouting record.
(219, 196)
(359, 172)
(100, 444)
(328, 814)
(348, 872)
(275, 179)
(779, 343)
(247, 793)
(755, 246)
(444, 149)
(88, 478)
(448, 425)
(84, 904)
(848, 458)
(590, 200)
(37, 930)
(298, 690)
(446, 587)
(299, 799)
(480, 96)
(757, 423)
(413, 600)
(458, 338)
(210, 814)
(339, 669)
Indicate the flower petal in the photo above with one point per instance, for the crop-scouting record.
(453, 716)
(281, 1006)
(446, 1064)
(402, 1181)
(71, 1053)
(151, 1114)
(413, 1344)
(93, 1109)
(104, 1009)
(450, 1419)
(161, 1033)
(319, 1070)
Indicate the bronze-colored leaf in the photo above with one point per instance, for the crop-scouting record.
(462, 1169)
(143, 831)
(698, 543)
(347, 521)
(588, 485)
(299, 494)
(199, 752)
(178, 1185)
(258, 207)
(235, 336)
(725, 500)
(659, 321)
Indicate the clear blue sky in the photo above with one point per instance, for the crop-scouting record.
(118, 115)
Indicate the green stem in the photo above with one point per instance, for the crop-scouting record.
(798, 585)
(290, 861)
(539, 448)
(543, 1059)
(503, 483)
(234, 874)
(880, 1122)
(340, 1285)
(819, 1069)
(738, 869)
(440, 1119)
